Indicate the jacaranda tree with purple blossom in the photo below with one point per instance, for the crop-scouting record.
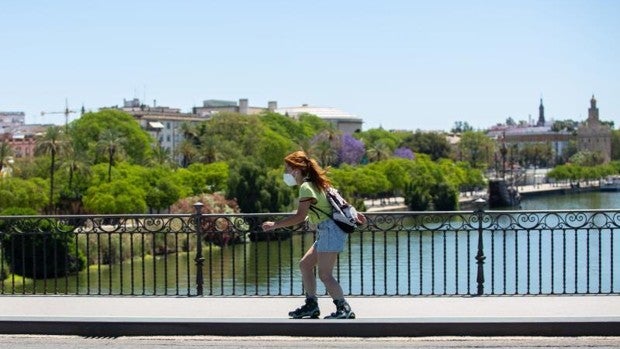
(352, 150)
(404, 153)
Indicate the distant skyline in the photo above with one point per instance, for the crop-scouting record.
(397, 64)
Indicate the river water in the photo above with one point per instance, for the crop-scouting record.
(573, 201)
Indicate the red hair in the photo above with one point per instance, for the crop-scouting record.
(309, 168)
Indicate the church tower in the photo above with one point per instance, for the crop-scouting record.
(541, 114)
(593, 135)
(593, 111)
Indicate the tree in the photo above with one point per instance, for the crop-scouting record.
(77, 171)
(434, 144)
(476, 148)
(326, 147)
(110, 143)
(88, 129)
(23, 193)
(119, 196)
(5, 153)
(461, 126)
(351, 150)
(378, 151)
(53, 143)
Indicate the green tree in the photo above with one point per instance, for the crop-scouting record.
(89, 128)
(476, 148)
(118, 196)
(51, 252)
(247, 185)
(434, 144)
(76, 170)
(110, 144)
(23, 193)
(53, 143)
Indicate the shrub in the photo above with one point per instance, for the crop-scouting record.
(39, 247)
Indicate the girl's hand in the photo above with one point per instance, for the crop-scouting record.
(361, 218)
(267, 226)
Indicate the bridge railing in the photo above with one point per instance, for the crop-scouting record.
(395, 254)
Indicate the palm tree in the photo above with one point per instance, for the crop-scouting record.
(162, 155)
(325, 147)
(188, 153)
(110, 143)
(378, 151)
(53, 143)
(75, 165)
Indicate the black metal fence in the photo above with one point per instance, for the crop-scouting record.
(396, 253)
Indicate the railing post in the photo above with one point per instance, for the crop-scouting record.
(479, 212)
(199, 259)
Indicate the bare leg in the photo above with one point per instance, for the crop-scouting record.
(306, 265)
(326, 262)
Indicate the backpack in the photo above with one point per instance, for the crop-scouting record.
(342, 213)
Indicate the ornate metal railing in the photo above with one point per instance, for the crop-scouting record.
(396, 253)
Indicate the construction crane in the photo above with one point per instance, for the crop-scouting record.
(66, 112)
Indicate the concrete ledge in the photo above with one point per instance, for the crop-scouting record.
(112, 316)
(329, 328)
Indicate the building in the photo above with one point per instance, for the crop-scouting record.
(23, 139)
(10, 119)
(593, 135)
(163, 123)
(341, 120)
(212, 106)
(522, 135)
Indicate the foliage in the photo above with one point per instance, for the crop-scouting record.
(476, 148)
(219, 231)
(434, 144)
(24, 193)
(118, 196)
(38, 248)
(90, 128)
(202, 178)
(212, 203)
(255, 190)
(587, 158)
(445, 197)
(404, 153)
(461, 126)
(161, 190)
(351, 150)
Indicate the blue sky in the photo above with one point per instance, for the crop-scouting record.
(396, 64)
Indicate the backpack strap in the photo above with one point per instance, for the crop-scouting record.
(314, 209)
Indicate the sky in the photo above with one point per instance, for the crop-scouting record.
(396, 64)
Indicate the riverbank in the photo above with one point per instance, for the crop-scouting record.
(467, 200)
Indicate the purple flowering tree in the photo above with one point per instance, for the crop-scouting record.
(405, 153)
(352, 150)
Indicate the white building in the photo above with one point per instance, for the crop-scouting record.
(343, 121)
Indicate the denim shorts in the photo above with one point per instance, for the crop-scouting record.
(329, 237)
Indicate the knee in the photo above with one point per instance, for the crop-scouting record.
(326, 276)
(305, 265)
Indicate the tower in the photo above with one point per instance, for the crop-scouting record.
(541, 114)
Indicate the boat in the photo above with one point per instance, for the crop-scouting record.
(502, 195)
(611, 183)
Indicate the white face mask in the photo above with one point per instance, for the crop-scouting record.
(289, 179)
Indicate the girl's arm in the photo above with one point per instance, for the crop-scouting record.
(297, 218)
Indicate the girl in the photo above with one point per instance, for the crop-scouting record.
(312, 181)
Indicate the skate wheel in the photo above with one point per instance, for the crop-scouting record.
(352, 316)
